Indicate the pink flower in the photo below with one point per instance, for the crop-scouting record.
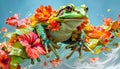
(23, 23)
(92, 60)
(33, 45)
(13, 20)
(4, 60)
(4, 29)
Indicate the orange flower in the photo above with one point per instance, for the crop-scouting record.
(83, 25)
(55, 63)
(107, 21)
(106, 35)
(98, 32)
(43, 13)
(54, 25)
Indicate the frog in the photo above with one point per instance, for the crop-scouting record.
(70, 17)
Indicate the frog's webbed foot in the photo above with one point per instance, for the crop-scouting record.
(78, 46)
(73, 50)
(52, 46)
(74, 47)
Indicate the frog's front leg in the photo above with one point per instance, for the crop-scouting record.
(47, 42)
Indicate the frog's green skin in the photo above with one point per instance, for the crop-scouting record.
(69, 21)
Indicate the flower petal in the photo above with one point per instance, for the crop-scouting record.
(24, 40)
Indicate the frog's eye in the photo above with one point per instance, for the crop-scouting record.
(86, 8)
(68, 8)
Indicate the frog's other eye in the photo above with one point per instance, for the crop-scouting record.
(68, 8)
(87, 9)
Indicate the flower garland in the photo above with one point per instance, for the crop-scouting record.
(25, 43)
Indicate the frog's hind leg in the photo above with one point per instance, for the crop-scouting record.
(80, 52)
(74, 49)
(54, 50)
(71, 45)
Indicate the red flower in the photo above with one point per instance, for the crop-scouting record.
(43, 13)
(107, 21)
(33, 45)
(54, 25)
(4, 60)
(13, 20)
(55, 63)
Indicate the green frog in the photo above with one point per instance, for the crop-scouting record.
(69, 17)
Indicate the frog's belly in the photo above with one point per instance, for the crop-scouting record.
(60, 36)
(64, 33)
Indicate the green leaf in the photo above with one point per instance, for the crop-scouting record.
(13, 67)
(23, 31)
(16, 60)
(18, 50)
(92, 44)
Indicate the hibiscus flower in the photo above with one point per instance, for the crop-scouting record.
(4, 60)
(43, 13)
(33, 45)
